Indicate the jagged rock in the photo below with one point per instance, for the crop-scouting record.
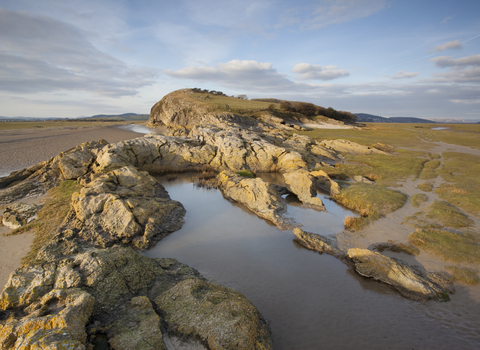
(318, 243)
(323, 181)
(56, 321)
(410, 281)
(301, 183)
(260, 197)
(349, 147)
(219, 316)
(16, 215)
(126, 205)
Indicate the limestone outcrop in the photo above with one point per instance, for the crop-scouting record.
(319, 243)
(302, 184)
(411, 281)
(349, 147)
(219, 316)
(257, 195)
(17, 215)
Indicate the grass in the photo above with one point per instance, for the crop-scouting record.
(428, 171)
(448, 215)
(246, 173)
(50, 217)
(384, 169)
(464, 274)
(426, 187)
(397, 248)
(461, 172)
(59, 124)
(418, 199)
(452, 246)
(235, 105)
(372, 202)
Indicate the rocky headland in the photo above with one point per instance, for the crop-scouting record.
(88, 285)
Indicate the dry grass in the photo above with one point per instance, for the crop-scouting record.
(353, 223)
(397, 248)
(464, 274)
(418, 199)
(50, 217)
(447, 215)
(452, 246)
(426, 187)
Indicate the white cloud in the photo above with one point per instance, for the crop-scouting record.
(306, 71)
(42, 54)
(404, 75)
(327, 12)
(448, 61)
(451, 45)
(465, 75)
(466, 102)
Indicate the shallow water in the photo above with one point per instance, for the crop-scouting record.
(310, 301)
(141, 129)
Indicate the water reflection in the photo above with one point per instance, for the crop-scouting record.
(141, 129)
(311, 301)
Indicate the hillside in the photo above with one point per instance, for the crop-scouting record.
(119, 117)
(370, 118)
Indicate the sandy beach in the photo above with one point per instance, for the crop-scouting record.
(21, 148)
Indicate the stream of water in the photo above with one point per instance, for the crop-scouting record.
(310, 301)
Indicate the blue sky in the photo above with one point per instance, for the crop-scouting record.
(66, 58)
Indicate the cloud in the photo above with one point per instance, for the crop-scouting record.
(466, 75)
(328, 12)
(306, 71)
(448, 61)
(451, 45)
(403, 75)
(465, 101)
(42, 54)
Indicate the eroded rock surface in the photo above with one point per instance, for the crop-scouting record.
(302, 184)
(16, 215)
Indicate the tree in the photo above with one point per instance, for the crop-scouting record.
(242, 97)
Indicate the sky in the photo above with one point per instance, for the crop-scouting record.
(402, 58)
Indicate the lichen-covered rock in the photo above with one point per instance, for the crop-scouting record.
(128, 206)
(301, 183)
(257, 195)
(137, 327)
(56, 321)
(16, 215)
(411, 281)
(349, 147)
(221, 317)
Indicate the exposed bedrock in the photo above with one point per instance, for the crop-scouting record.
(410, 280)
(257, 195)
(302, 184)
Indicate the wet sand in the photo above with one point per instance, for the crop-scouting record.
(22, 148)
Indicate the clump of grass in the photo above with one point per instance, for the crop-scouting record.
(246, 173)
(50, 217)
(371, 202)
(436, 156)
(426, 187)
(353, 223)
(452, 246)
(448, 215)
(418, 199)
(428, 171)
(397, 248)
(464, 274)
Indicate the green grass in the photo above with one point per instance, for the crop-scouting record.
(246, 173)
(428, 171)
(372, 202)
(447, 215)
(452, 246)
(418, 199)
(464, 274)
(50, 217)
(461, 172)
(426, 187)
(385, 170)
(60, 124)
(235, 105)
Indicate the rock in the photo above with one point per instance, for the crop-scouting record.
(137, 327)
(16, 215)
(301, 183)
(219, 316)
(362, 179)
(323, 181)
(258, 196)
(126, 205)
(349, 147)
(411, 281)
(318, 243)
(56, 321)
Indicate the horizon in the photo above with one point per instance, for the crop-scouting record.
(66, 59)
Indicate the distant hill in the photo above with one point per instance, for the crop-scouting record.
(370, 118)
(119, 117)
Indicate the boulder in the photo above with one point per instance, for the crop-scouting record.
(323, 181)
(411, 281)
(257, 195)
(219, 316)
(16, 215)
(319, 243)
(301, 183)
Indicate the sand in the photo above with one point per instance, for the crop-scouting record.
(22, 148)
